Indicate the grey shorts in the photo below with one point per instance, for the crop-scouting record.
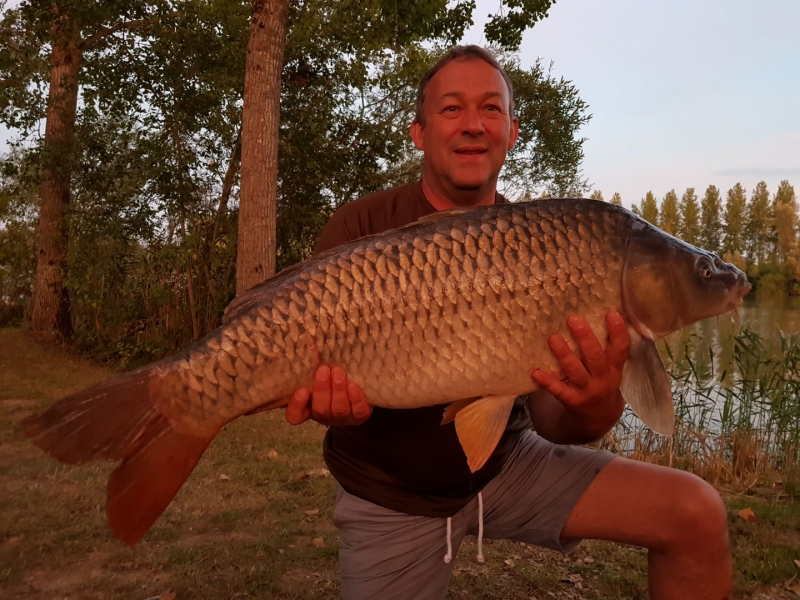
(390, 555)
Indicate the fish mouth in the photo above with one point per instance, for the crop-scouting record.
(736, 298)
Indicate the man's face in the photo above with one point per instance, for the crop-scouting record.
(467, 130)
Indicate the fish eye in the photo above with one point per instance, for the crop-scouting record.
(706, 270)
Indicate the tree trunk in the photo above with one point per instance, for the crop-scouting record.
(51, 306)
(255, 261)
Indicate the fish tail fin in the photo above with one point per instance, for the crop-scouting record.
(118, 420)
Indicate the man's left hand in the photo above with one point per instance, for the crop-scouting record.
(590, 392)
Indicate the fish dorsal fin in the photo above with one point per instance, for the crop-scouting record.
(480, 425)
(647, 388)
(444, 214)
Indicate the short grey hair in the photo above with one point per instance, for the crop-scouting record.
(455, 53)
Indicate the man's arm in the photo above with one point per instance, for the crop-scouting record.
(587, 405)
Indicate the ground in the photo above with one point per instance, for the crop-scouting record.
(254, 520)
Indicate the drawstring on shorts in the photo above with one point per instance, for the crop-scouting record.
(449, 556)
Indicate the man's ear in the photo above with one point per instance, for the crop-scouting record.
(417, 135)
(513, 133)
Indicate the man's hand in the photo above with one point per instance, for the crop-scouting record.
(590, 393)
(332, 401)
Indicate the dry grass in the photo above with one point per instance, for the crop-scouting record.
(254, 520)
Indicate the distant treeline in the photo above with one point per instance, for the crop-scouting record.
(759, 234)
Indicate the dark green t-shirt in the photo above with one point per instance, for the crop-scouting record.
(405, 459)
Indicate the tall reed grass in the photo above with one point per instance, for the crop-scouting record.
(737, 412)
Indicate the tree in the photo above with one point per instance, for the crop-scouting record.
(596, 195)
(689, 230)
(616, 199)
(669, 217)
(734, 217)
(255, 260)
(364, 29)
(710, 221)
(648, 208)
(67, 30)
(757, 225)
(785, 224)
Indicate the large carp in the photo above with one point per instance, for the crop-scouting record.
(454, 309)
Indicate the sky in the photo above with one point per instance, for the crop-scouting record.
(683, 93)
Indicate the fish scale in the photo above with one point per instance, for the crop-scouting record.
(453, 310)
(468, 312)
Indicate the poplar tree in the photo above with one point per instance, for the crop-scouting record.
(616, 199)
(735, 205)
(784, 221)
(689, 230)
(757, 225)
(669, 216)
(648, 208)
(710, 220)
(596, 195)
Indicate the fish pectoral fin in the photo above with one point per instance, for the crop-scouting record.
(480, 425)
(647, 388)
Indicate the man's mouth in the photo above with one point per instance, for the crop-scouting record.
(470, 150)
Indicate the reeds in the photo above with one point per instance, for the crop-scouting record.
(737, 411)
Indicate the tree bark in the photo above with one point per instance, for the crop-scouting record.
(255, 260)
(51, 305)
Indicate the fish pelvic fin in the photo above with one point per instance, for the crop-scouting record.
(118, 420)
(480, 425)
(647, 388)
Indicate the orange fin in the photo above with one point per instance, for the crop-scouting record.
(452, 409)
(480, 425)
(117, 420)
(141, 488)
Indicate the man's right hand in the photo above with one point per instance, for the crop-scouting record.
(332, 401)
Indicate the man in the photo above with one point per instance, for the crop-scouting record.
(406, 498)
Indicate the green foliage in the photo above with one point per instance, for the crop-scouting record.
(616, 199)
(757, 222)
(710, 220)
(648, 208)
(689, 229)
(18, 206)
(733, 236)
(669, 217)
(153, 217)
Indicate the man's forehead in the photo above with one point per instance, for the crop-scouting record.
(456, 78)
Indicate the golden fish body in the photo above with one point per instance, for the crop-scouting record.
(457, 306)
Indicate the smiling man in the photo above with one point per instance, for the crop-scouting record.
(405, 495)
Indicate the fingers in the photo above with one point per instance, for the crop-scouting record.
(570, 364)
(619, 341)
(340, 403)
(321, 393)
(594, 358)
(558, 388)
(298, 410)
(334, 400)
(359, 407)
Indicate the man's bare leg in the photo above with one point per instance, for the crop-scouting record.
(677, 516)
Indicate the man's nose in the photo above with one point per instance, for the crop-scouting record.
(471, 122)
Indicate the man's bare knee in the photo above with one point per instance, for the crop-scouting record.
(698, 516)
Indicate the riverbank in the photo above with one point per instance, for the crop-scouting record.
(255, 519)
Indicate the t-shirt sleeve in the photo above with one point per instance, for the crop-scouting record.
(336, 232)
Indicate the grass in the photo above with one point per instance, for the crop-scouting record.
(255, 520)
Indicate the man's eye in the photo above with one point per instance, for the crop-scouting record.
(493, 107)
(450, 108)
